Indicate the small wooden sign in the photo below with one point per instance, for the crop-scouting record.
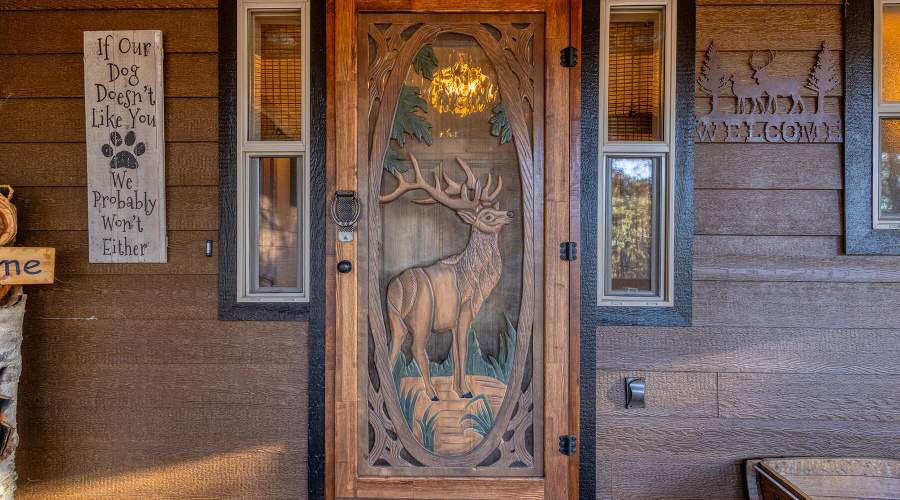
(123, 89)
(26, 266)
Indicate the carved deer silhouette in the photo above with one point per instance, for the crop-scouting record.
(744, 92)
(775, 87)
(448, 294)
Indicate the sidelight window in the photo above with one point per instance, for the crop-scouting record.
(635, 213)
(273, 173)
(886, 172)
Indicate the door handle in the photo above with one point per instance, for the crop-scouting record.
(634, 393)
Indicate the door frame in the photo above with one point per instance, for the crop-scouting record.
(561, 164)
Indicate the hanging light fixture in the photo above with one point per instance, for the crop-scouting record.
(462, 88)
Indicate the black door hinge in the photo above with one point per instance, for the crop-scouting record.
(568, 250)
(568, 445)
(568, 57)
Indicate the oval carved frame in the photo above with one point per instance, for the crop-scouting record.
(515, 76)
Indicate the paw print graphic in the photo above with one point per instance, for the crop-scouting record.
(123, 159)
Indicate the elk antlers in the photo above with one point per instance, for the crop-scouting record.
(769, 60)
(455, 196)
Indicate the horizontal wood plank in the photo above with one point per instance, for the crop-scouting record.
(765, 27)
(841, 269)
(62, 120)
(793, 65)
(266, 470)
(141, 426)
(768, 166)
(780, 258)
(668, 394)
(137, 341)
(760, 212)
(151, 385)
(26, 76)
(636, 478)
(736, 439)
(100, 4)
(761, 350)
(63, 164)
(184, 30)
(806, 305)
(188, 208)
(771, 247)
(186, 253)
(126, 297)
(810, 397)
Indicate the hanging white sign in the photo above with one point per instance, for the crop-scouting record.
(123, 90)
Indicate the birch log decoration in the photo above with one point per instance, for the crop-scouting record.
(10, 369)
(123, 89)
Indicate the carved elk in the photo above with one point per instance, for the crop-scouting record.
(448, 294)
(776, 87)
(747, 93)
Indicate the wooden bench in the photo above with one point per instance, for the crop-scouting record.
(823, 478)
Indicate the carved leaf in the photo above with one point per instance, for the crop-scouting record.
(406, 121)
(394, 162)
(425, 62)
(500, 124)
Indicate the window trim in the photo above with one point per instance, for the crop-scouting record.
(248, 149)
(234, 168)
(678, 148)
(860, 235)
(882, 109)
(665, 273)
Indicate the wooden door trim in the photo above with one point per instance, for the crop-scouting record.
(575, 375)
(341, 377)
(451, 6)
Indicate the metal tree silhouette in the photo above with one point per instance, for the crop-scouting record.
(823, 78)
(712, 77)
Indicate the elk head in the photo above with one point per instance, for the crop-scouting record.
(470, 201)
(759, 69)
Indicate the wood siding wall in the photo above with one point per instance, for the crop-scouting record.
(795, 347)
(131, 386)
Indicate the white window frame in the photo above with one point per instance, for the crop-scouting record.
(882, 109)
(247, 149)
(664, 150)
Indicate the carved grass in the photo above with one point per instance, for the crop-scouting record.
(499, 368)
(427, 424)
(408, 401)
(482, 419)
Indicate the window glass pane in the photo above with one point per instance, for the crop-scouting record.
(890, 53)
(275, 77)
(275, 222)
(636, 49)
(633, 225)
(890, 169)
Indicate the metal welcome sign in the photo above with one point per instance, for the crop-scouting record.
(768, 108)
(123, 89)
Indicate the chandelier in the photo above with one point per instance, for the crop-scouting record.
(462, 89)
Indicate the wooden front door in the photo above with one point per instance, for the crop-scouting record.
(451, 349)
